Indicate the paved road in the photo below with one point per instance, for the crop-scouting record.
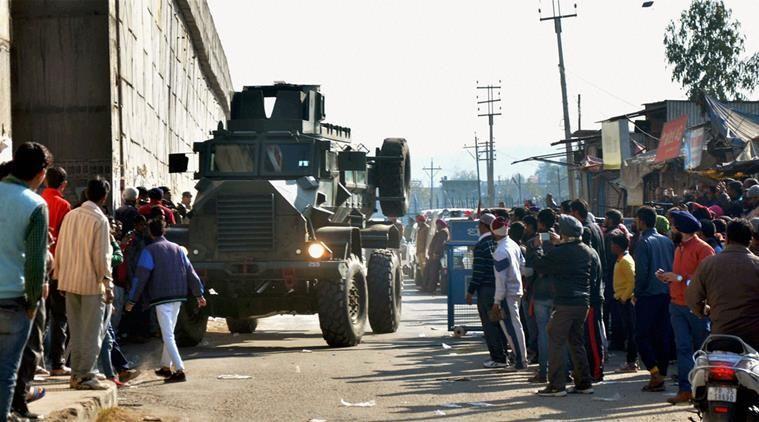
(409, 375)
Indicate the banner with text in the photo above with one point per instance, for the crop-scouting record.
(694, 147)
(671, 139)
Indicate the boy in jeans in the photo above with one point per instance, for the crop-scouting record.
(165, 271)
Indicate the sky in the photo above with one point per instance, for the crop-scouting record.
(403, 68)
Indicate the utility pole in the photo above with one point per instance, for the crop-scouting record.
(491, 93)
(518, 182)
(556, 18)
(431, 170)
(558, 181)
(579, 112)
(477, 160)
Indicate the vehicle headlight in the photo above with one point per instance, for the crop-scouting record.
(316, 250)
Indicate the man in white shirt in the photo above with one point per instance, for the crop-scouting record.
(83, 271)
(508, 262)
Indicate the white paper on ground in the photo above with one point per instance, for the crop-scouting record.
(439, 413)
(370, 403)
(446, 347)
(234, 377)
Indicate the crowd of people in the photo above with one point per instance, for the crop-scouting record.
(75, 281)
(559, 287)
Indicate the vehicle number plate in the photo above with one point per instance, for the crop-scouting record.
(725, 394)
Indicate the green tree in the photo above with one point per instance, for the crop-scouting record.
(705, 51)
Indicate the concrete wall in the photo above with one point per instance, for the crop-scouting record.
(172, 82)
(113, 86)
(5, 82)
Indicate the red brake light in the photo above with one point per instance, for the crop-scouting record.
(721, 372)
(721, 409)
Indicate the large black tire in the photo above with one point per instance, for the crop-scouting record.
(394, 177)
(242, 325)
(191, 324)
(343, 307)
(384, 279)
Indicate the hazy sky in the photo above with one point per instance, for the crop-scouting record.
(408, 68)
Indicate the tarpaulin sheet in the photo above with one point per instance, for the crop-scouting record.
(671, 139)
(733, 124)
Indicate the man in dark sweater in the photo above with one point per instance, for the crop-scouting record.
(483, 285)
(166, 273)
(571, 263)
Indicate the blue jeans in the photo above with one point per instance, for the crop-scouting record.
(542, 309)
(119, 300)
(690, 333)
(104, 358)
(14, 332)
(652, 333)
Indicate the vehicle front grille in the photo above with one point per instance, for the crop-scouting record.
(245, 223)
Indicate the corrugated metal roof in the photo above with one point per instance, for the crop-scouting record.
(696, 115)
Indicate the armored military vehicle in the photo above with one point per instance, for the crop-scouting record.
(281, 219)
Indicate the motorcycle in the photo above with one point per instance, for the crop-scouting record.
(725, 380)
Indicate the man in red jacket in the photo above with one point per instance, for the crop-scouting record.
(56, 182)
(156, 202)
(690, 329)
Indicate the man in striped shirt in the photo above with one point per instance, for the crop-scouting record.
(83, 271)
(483, 285)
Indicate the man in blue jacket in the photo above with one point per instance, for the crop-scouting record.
(653, 253)
(166, 273)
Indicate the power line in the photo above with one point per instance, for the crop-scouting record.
(491, 92)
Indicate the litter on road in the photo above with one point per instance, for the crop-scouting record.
(480, 404)
(370, 403)
(234, 377)
(615, 397)
(439, 413)
(446, 347)
(306, 351)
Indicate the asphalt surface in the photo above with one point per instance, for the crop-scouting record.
(408, 375)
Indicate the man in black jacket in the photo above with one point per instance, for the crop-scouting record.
(572, 265)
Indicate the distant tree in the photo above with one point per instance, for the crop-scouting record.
(704, 50)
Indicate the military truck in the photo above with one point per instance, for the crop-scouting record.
(281, 224)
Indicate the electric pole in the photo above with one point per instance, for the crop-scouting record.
(431, 170)
(518, 181)
(491, 93)
(477, 160)
(556, 18)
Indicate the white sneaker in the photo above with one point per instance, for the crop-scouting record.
(91, 384)
(490, 364)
